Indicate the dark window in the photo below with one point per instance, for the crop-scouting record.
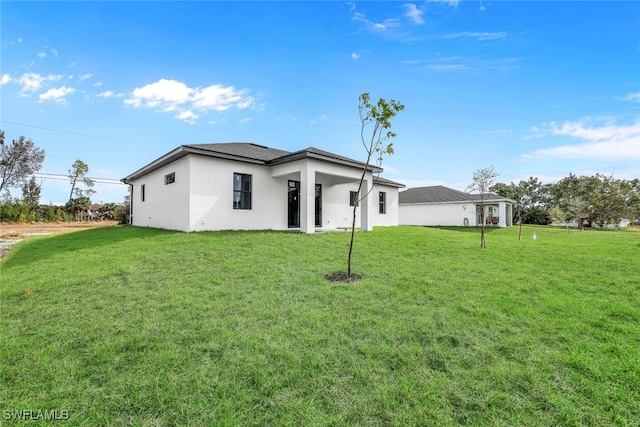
(353, 198)
(170, 178)
(241, 191)
(142, 192)
(382, 205)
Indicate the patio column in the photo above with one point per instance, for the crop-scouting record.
(502, 214)
(307, 198)
(365, 208)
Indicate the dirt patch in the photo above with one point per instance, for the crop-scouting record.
(6, 245)
(8, 230)
(341, 276)
(10, 233)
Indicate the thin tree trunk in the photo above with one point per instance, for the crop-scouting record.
(353, 230)
(353, 222)
(520, 223)
(482, 242)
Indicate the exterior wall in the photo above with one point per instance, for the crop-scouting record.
(389, 218)
(335, 206)
(212, 197)
(165, 206)
(201, 198)
(446, 214)
(337, 213)
(337, 182)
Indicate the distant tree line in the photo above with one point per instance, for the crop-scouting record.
(587, 201)
(19, 161)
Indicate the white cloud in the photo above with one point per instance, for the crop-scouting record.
(472, 64)
(110, 94)
(355, 55)
(171, 95)
(482, 36)
(42, 54)
(30, 82)
(188, 116)
(5, 79)
(245, 120)
(19, 39)
(448, 67)
(164, 93)
(323, 117)
(453, 3)
(377, 27)
(634, 97)
(58, 95)
(97, 84)
(608, 140)
(55, 53)
(220, 98)
(85, 77)
(413, 14)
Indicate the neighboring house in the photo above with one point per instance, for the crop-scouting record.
(91, 213)
(438, 205)
(246, 186)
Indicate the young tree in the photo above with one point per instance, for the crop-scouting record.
(77, 175)
(483, 180)
(18, 161)
(375, 120)
(31, 194)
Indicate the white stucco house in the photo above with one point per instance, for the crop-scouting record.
(439, 205)
(245, 186)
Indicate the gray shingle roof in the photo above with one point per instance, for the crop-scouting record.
(315, 153)
(384, 181)
(242, 149)
(440, 194)
(250, 153)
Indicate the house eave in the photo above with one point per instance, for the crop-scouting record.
(181, 152)
(306, 154)
(448, 202)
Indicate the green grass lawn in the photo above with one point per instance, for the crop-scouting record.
(134, 326)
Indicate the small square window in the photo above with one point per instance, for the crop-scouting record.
(170, 178)
(353, 198)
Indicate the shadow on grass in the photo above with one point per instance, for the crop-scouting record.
(35, 249)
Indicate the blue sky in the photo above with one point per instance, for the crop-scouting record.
(533, 88)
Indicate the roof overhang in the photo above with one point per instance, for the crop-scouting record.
(307, 154)
(181, 152)
(324, 157)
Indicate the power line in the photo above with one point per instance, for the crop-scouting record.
(63, 131)
(62, 177)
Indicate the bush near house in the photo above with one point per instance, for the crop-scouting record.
(136, 326)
